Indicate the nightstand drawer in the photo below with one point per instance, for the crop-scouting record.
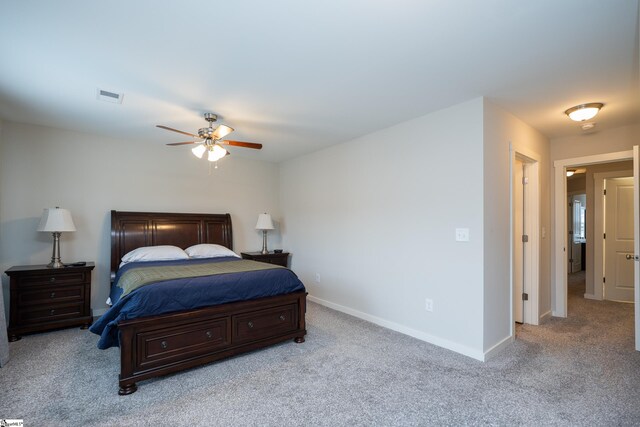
(51, 313)
(274, 260)
(51, 295)
(265, 324)
(70, 278)
(280, 258)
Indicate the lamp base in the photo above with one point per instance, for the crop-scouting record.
(55, 264)
(55, 256)
(264, 242)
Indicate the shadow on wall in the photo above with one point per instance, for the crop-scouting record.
(19, 243)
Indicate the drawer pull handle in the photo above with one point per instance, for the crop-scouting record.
(52, 312)
(164, 344)
(250, 325)
(53, 279)
(282, 317)
(53, 294)
(208, 333)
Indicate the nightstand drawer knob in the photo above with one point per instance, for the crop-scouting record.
(209, 334)
(52, 312)
(164, 344)
(250, 325)
(53, 279)
(53, 294)
(282, 317)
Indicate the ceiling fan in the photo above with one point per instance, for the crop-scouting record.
(211, 140)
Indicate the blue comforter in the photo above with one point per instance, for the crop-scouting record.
(188, 293)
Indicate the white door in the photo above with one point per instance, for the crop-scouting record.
(518, 245)
(619, 240)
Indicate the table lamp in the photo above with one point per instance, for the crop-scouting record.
(56, 220)
(264, 224)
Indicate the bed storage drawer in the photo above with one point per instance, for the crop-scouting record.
(264, 324)
(190, 339)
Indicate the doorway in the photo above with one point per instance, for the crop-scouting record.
(559, 293)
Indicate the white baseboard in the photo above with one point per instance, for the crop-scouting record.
(440, 342)
(592, 296)
(493, 351)
(545, 316)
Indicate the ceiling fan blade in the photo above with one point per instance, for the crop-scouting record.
(185, 143)
(242, 144)
(176, 130)
(221, 131)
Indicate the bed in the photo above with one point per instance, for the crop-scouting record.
(159, 344)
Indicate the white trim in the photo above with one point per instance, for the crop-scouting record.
(598, 230)
(440, 342)
(545, 316)
(498, 348)
(592, 296)
(532, 229)
(559, 294)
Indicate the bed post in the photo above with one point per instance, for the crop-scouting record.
(302, 309)
(127, 384)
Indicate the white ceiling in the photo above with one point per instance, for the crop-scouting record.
(299, 75)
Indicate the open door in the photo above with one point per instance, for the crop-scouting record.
(636, 235)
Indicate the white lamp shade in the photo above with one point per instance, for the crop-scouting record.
(264, 222)
(199, 150)
(216, 152)
(56, 220)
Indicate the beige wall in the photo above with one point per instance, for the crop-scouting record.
(577, 184)
(501, 129)
(376, 219)
(600, 142)
(90, 175)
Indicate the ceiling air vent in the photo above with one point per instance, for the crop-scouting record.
(105, 95)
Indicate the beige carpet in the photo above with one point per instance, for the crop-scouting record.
(578, 371)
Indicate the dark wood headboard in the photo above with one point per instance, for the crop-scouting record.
(131, 230)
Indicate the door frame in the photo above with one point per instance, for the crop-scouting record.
(531, 194)
(559, 294)
(598, 230)
(570, 195)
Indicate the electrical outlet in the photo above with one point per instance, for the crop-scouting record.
(462, 234)
(317, 277)
(428, 304)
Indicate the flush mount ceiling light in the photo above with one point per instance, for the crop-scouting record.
(570, 172)
(583, 112)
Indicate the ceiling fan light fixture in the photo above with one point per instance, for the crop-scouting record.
(199, 150)
(216, 152)
(583, 112)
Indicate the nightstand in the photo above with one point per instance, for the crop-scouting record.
(45, 298)
(281, 258)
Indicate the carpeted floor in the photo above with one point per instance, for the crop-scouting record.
(582, 370)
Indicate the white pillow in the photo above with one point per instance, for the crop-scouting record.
(208, 250)
(155, 253)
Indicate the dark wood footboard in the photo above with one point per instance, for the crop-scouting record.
(159, 345)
